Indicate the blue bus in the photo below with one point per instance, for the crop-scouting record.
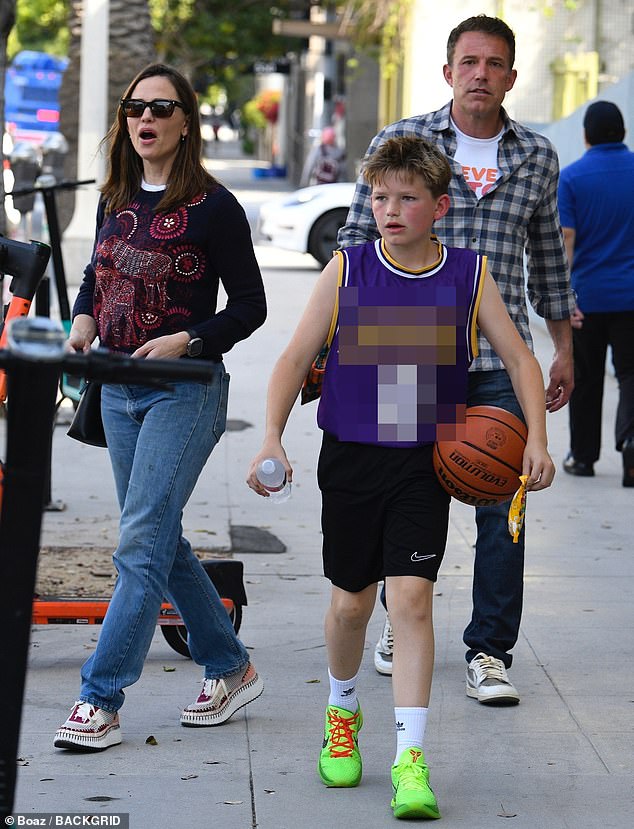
(31, 94)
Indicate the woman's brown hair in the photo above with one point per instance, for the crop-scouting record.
(187, 178)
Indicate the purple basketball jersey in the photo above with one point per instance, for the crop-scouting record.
(397, 370)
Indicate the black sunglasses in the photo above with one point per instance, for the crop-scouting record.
(159, 107)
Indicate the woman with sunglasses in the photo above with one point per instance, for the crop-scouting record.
(167, 234)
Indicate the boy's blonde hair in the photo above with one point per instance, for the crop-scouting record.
(408, 157)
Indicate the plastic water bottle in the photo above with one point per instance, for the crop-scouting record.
(272, 475)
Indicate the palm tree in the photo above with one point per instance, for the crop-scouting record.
(131, 46)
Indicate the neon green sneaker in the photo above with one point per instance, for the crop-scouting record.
(413, 796)
(340, 763)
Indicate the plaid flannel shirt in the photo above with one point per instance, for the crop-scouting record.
(517, 217)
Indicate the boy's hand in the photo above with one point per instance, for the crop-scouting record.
(539, 467)
(269, 450)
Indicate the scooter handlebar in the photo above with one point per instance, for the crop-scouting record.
(65, 184)
(108, 367)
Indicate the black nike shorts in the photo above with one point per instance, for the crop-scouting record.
(383, 513)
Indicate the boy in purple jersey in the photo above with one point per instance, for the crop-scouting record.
(396, 378)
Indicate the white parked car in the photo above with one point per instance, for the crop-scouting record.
(308, 219)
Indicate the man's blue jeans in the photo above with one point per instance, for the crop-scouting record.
(159, 440)
(498, 569)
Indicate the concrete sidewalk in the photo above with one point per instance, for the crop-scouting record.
(562, 759)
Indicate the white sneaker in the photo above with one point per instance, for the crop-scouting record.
(488, 682)
(221, 698)
(384, 649)
(88, 728)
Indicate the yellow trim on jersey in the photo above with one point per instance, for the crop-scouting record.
(335, 310)
(479, 286)
(398, 265)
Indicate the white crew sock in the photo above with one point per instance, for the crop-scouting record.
(343, 693)
(410, 729)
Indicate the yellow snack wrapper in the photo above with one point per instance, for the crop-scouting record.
(517, 510)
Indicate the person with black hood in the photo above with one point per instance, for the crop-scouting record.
(597, 215)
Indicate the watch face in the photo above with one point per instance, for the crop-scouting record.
(194, 347)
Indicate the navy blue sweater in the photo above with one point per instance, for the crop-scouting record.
(153, 274)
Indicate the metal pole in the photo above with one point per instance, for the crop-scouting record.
(54, 235)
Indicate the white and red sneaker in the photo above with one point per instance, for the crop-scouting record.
(219, 699)
(88, 728)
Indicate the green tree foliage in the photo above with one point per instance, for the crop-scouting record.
(216, 41)
(213, 41)
(204, 37)
(41, 25)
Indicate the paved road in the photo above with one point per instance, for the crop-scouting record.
(562, 759)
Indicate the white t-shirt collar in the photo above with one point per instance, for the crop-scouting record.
(152, 188)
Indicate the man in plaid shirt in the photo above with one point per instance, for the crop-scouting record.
(503, 204)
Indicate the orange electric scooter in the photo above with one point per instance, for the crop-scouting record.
(226, 574)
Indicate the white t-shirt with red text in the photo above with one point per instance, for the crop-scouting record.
(478, 158)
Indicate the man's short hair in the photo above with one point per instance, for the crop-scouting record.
(408, 157)
(488, 26)
(603, 123)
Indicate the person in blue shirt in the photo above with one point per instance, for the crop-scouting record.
(597, 216)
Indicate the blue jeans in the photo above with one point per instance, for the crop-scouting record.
(498, 569)
(159, 440)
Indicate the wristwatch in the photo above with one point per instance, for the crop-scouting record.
(194, 347)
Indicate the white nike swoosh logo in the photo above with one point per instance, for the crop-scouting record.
(416, 557)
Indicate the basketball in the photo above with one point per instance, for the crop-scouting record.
(484, 468)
